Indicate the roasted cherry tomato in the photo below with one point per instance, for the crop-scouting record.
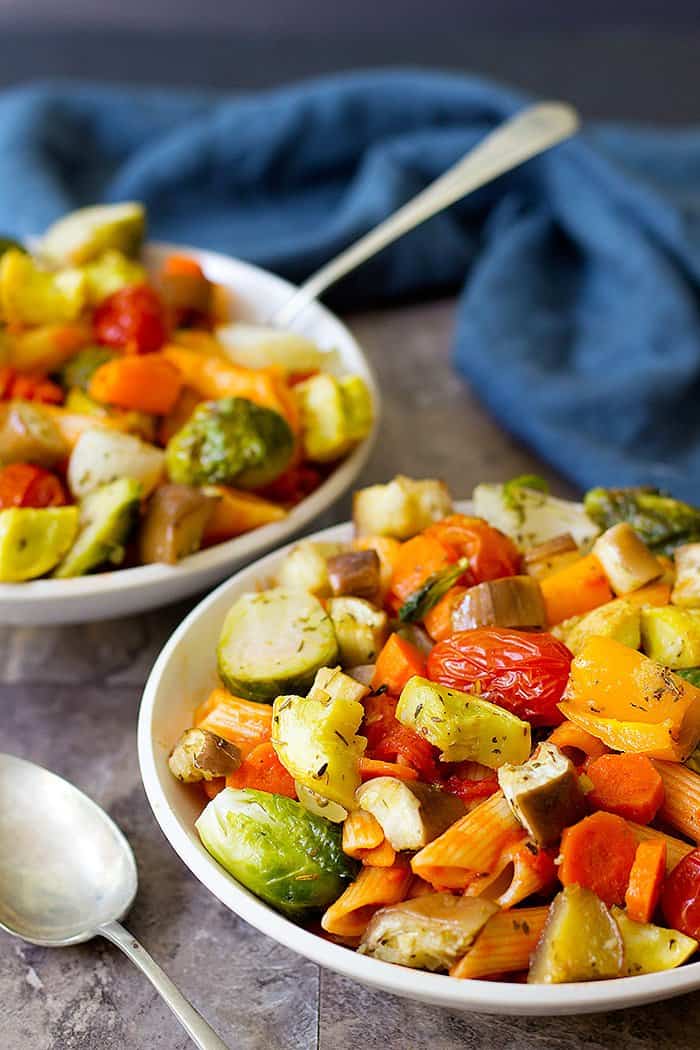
(523, 671)
(28, 386)
(131, 319)
(680, 899)
(24, 485)
(491, 553)
(389, 740)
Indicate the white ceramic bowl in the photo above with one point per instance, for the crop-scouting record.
(124, 591)
(181, 677)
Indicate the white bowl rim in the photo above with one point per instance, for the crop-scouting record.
(484, 996)
(231, 552)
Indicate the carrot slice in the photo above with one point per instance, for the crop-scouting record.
(416, 561)
(263, 771)
(142, 382)
(626, 784)
(374, 767)
(575, 589)
(598, 853)
(398, 661)
(646, 880)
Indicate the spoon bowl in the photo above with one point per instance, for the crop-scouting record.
(65, 867)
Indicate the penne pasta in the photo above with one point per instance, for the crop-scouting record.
(504, 945)
(681, 805)
(372, 889)
(361, 832)
(576, 743)
(471, 847)
(242, 722)
(676, 849)
(382, 856)
(522, 869)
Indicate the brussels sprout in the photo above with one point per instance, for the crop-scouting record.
(79, 370)
(290, 858)
(32, 296)
(231, 440)
(661, 522)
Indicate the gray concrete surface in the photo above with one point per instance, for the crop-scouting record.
(69, 698)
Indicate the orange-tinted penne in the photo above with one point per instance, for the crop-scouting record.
(681, 806)
(676, 849)
(471, 847)
(382, 856)
(576, 743)
(504, 945)
(361, 831)
(242, 722)
(372, 889)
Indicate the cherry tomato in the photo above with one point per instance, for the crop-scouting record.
(390, 741)
(491, 553)
(523, 671)
(24, 485)
(680, 899)
(132, 318)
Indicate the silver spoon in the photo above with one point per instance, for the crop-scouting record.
(67, 874)
(529, 132)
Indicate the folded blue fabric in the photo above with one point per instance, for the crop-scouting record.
(578, 322)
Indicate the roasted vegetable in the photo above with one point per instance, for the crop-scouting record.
(274, 642)
(619, 620)
(174, 523)
(109, 273)
(426, 597)
(544, 558)
(256, 346)
(686, 589)
(671, 636)
(354, 572)
(427, 933)
(290, 858)
(79, 370)
(305, 568)
(316, 737)
(185, 288)
(409, 813)
(28, 434)
(85, 234)
(401, 508)
(544, 793)
(141, 424)
(360, 629)
(232, 441)
(33, 541)
(514, 601)
(627, 561)
(580, 941)
(201, 755)
(661, 522)
(107, 515)
(335, 415)
(649, 948)
(32, 296)
(101, 456)
(529, 515)
(463, 726)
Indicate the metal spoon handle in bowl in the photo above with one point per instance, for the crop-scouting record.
(529, 132)
(201, 1034)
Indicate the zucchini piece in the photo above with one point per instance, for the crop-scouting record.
(463, 726)
(619, 620)
(258, 346)
(85, 234)
(410, 814)
(101, 456)
(686, 589)
(32, 296)
(428, 933)
(107, 515)
(627, 561)
(671, 636)
(33, 541)
(335, 415)
(401, 508)
(360, 628)
(580, 941)
(544, 794)
(650, 948)
(530, 516)
(274, 642)
(305, 568)
(316, 739)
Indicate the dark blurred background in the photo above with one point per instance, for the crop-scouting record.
(630, 59)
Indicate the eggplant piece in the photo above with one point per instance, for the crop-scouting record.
(355, 573)
(426, 933)
(544, 793)
(580, 941)
(627, 561)
(28, 434)
(174, 523)
(411, 814)
(686, 589)
(545, 558)
(514, 601)
(202, 755)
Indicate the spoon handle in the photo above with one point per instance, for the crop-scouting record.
(201, 1034)
(529, 132)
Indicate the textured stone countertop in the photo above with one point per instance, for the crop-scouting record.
(69, 699)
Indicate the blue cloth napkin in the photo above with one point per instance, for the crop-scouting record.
(578, 322)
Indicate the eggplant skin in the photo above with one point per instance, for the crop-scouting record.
(202, 755)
